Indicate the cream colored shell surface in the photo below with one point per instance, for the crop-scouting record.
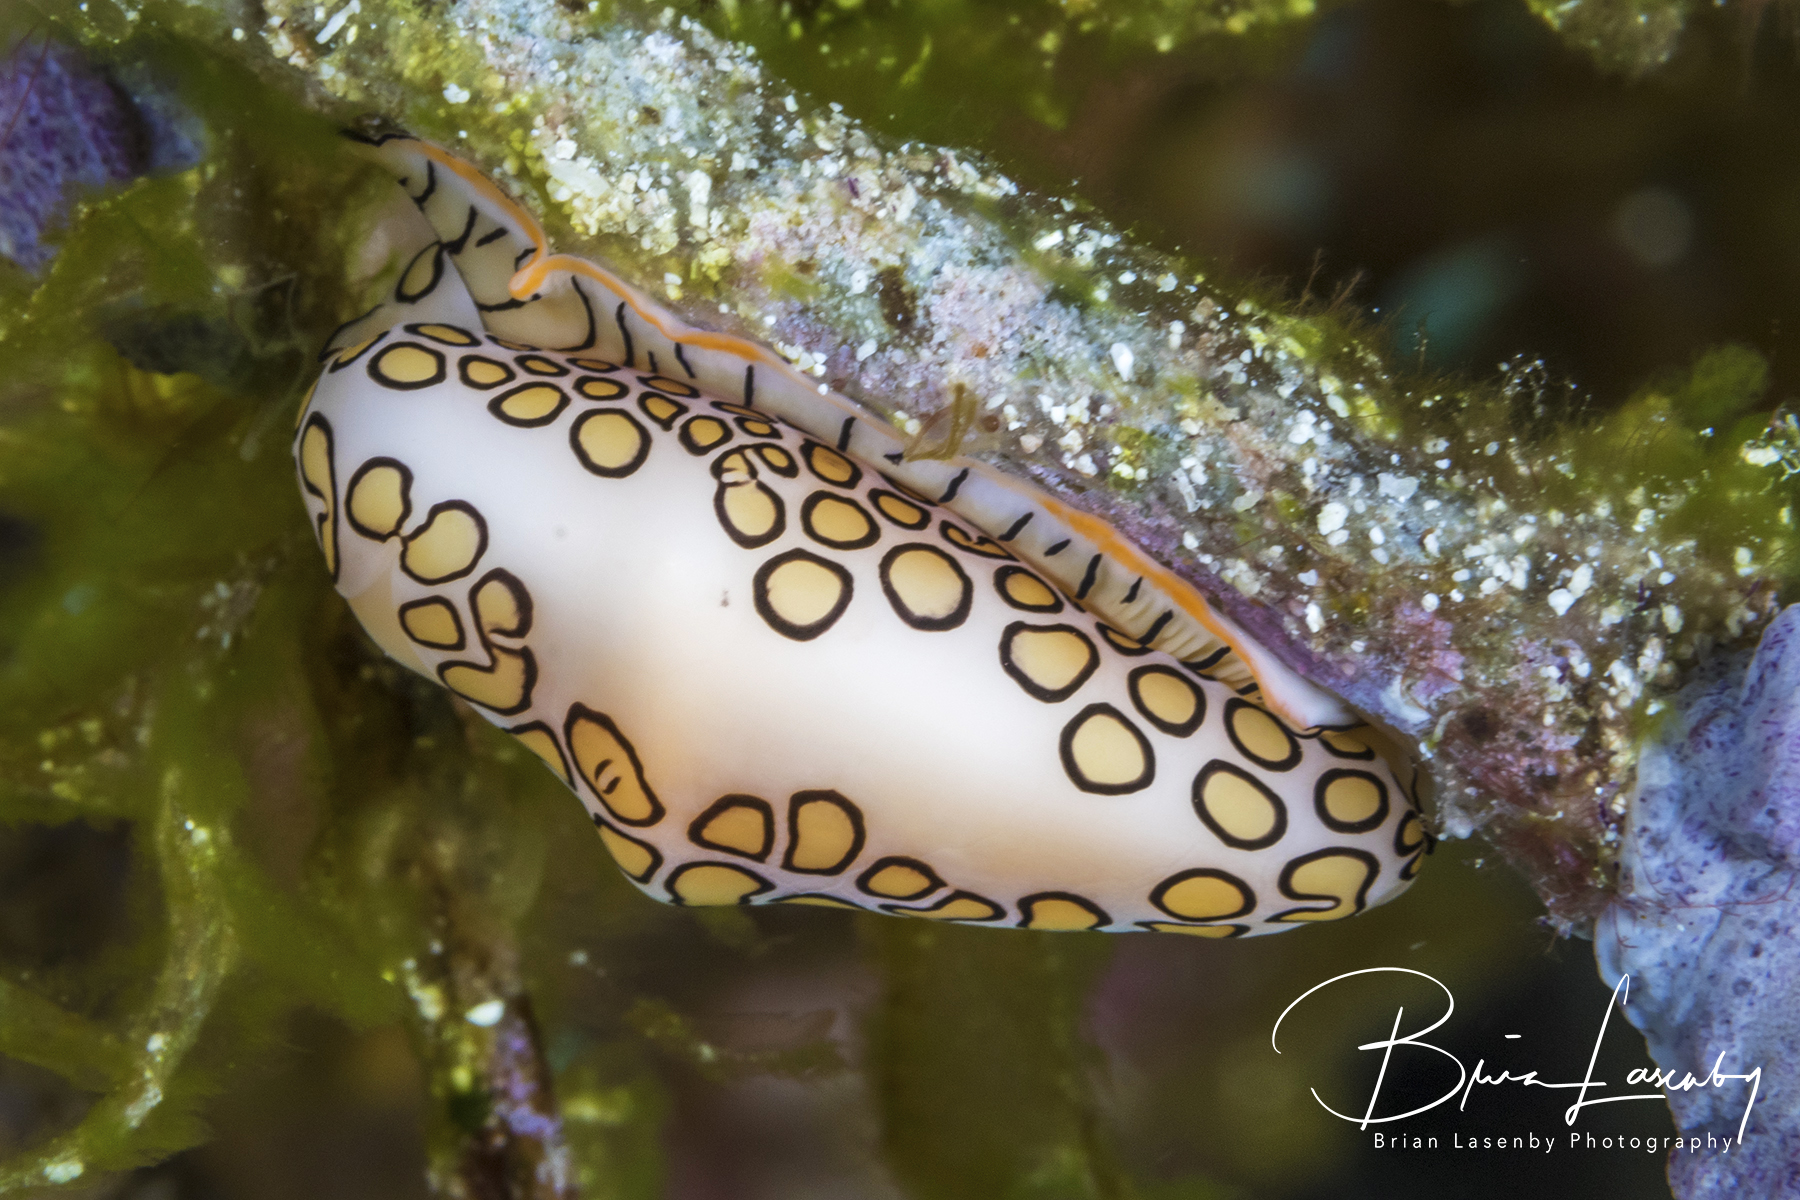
(774, 672)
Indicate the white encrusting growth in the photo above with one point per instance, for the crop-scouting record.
(338, 20)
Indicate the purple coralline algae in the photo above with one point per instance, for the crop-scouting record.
(1705, 916)
(67, 126)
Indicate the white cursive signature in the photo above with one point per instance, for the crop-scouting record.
(1466, 1080)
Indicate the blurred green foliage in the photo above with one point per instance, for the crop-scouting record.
(894, 62)
(977, 1042)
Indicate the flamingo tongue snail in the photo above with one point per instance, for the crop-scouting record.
(780, 661)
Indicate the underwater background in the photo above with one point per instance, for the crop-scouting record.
(279, 920)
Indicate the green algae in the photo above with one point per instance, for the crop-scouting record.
(166, 667)
(1683, 449)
